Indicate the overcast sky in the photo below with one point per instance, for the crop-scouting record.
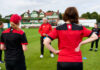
(20, 6)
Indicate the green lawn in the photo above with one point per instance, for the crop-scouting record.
(33, 61)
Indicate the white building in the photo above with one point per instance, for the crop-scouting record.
(84, 22)
(88, 22)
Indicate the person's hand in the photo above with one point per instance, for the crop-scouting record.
(77, 49)
(24, 48)
(3, 48)
(57, 51)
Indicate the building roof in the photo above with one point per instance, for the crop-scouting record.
(49, 13)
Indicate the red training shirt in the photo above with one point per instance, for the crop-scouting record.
(45, 28)
(69, 36)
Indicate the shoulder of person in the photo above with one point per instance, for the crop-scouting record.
(41, 24)
(48, 23)
(21, 31)
(6, 30)
(78, 26)
(61, 26)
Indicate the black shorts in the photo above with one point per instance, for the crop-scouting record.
(69, 66)
(15, 65)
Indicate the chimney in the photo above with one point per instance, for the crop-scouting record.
(57, 11)
(28, 11)
(40, 10)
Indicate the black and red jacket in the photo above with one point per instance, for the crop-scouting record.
(45, 28)
(13, 41)
(97, 31)
(69, 36)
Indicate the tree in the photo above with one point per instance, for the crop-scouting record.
(89, 14)
(85, 15)
(0, 16)
(22, 14)
(9, 15)
(98, 19)
(60, 16)
(94, 15)
(4, 20)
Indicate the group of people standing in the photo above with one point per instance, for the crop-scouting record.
(69, 35)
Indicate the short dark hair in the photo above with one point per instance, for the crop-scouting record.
(71, 14)
(1, 22)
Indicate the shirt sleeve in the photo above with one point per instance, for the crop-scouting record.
(86, 32)
(1, 39)
(53, 34)
(24, 39)
(40, 29)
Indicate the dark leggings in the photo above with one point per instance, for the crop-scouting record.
(69, 66)
(0, 55)
(42, 45)
(96, 42)
(15, 65)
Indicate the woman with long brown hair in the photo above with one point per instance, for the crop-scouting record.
(14, 42)
(69, 36)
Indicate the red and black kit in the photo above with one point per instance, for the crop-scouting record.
(69, 36)
(13, 41)
(45, 28)
(97, 31)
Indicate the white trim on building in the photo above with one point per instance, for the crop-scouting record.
(88, 22)
(84, 22)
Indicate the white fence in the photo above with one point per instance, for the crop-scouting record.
(5, 25)
(86, 22)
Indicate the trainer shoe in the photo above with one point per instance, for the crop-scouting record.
(41, 56)
(91, 49)
(96, 50)
(1, 62)
(52, 55)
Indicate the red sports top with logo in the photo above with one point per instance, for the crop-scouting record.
(69, 36)
(45, 28)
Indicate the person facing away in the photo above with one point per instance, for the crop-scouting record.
(44, 29)
(1, 30)
(14, 43)
(69, 36)
(97, 31)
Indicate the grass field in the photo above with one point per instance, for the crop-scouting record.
(33, 61)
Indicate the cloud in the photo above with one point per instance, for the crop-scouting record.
(20, 6)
